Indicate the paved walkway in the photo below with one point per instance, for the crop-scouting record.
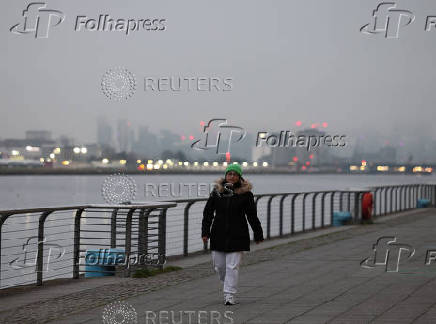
(312, 280)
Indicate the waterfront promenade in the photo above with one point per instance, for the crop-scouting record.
(311, 278)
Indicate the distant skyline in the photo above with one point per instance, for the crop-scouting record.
(288, 60)
(123, 135)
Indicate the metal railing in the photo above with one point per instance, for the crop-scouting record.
(391, 199)
(29, 237)
(283, 214)
(171, 228)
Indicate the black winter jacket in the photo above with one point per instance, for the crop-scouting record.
(229, 231)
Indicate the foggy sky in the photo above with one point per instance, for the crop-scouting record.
(289, 60)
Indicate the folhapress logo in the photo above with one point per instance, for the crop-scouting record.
(216, 133)
(388, 20)
(38, 20)
(387, 253)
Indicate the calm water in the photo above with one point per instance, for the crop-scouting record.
(42, 191)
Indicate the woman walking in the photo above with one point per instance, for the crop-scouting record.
(229, 206)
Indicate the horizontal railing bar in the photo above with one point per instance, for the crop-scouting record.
(136, 205)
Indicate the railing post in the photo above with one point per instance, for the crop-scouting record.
(397, 198)
(143, 231)
(114, 228)
(186, 228)
(376, 201)
(281, 214)
(293, 213)
(434, 198)
(411, 197)
(322, 208)
(128, 243)
(304, 210)
(341, 201)
(40, 255)
(2, 220)
(392, 200)
(332, 206)
(356, 206)
(76, 247)
(386, 201)
(268, 217)
(162, 236)
(314, 208)
(403, 198)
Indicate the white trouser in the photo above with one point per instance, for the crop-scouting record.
(226, 264)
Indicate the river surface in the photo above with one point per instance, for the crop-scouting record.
(55, 190)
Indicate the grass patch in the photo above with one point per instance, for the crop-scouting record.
(144, 273)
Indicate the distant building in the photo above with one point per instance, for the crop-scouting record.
(316, 155)
(40, 135)
(147, 144)
(259, 153)
(125, 136)
(387, 154)
(37, 144)
(104, 133)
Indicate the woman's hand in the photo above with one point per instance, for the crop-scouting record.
(205, 238)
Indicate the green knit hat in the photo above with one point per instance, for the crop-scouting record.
(236, 168)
